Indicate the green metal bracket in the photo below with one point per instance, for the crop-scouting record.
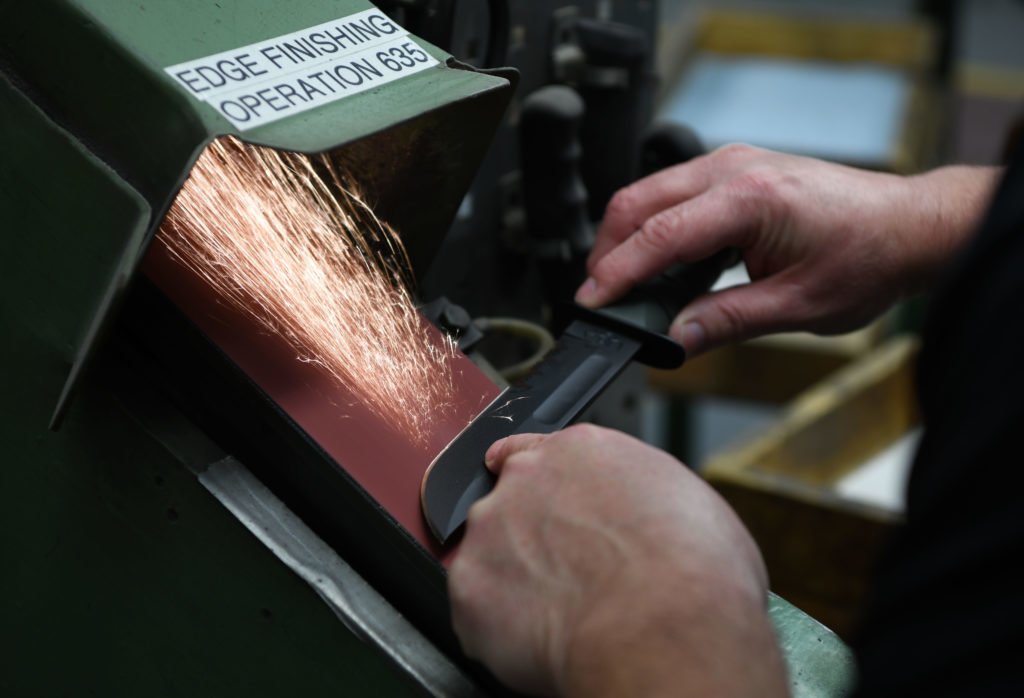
(820, 664)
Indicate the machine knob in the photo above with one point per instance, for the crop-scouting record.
(554, 195)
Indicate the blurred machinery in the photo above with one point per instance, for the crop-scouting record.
(604, 52)
(517, 246)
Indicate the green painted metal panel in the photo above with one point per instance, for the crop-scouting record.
(122, 575)
(125, 577)
(99, 67)
(96, 68)
(820, 665)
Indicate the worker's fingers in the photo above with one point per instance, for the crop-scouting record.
(501, 450)
(633, 205)
(688, 232)
(740, 313)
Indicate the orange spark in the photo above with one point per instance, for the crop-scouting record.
(284, 238)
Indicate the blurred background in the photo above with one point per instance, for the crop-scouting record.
(969, 51)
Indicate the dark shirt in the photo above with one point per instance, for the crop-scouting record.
(947, 615)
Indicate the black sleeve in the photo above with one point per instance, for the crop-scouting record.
(947, 614)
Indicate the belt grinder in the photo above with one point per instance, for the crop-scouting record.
(117, 102)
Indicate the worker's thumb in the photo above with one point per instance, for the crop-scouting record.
(503, 449)
(735, 314)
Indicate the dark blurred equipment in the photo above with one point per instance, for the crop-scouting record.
(617, 86)
(505, 257)
(474, 31)
(491, 263)
(554, 196)
(454, 321)
(667, 144)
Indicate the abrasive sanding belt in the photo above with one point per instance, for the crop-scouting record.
(388, 467)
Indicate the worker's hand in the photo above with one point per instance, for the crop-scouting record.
(827, 247)
(601, 566)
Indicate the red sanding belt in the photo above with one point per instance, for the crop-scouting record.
(389, 467)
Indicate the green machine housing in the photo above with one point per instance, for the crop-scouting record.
(122, 567)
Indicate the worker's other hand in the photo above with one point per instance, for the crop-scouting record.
(601, 566)
(827, 247)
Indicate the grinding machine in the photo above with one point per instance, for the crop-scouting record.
(129, 397)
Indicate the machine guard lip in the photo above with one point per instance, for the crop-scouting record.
(96, 326)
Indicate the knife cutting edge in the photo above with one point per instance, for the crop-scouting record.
(591, 351)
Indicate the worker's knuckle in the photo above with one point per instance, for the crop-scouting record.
(762, 193)
(518, 464)
(623, 206)
(734, 152)
(615, 269)
(586, 437)
(659, 231)
(808, 303)
(733, 317)
(757, 185)
(478, 514)
(583, 431)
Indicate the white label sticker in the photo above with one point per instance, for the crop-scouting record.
(270, 80)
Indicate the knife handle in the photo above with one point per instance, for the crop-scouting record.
(646, 313)
(655, 304)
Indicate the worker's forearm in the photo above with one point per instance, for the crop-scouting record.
(943, 208)
(712, 641)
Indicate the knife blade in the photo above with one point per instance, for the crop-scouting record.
(592, 350)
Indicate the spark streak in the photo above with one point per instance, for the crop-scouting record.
(287, 240)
